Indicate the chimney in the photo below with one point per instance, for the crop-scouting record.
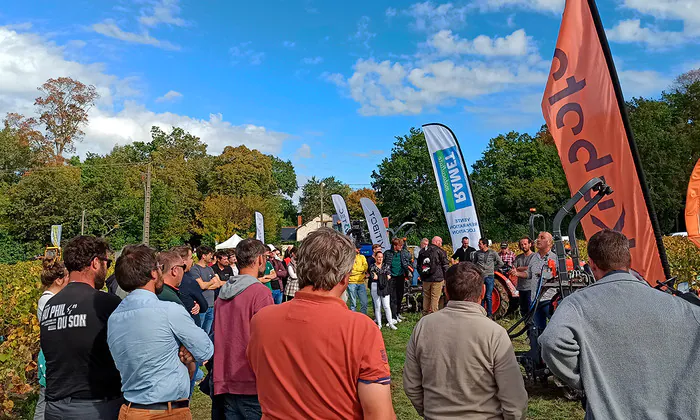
(299, 220)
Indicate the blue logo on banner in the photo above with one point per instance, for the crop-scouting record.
(452, 179)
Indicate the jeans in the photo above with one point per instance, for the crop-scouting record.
(379, 303)
(525, 301)
(277, 296)
(488, 280)
(414, 282)
(40, 404)
(235, 407)
(72, 408)
(355, 292)
(542, 314)
(207, 319)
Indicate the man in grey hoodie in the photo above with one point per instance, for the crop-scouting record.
(235, 393)
(488, 260)
(631, 348)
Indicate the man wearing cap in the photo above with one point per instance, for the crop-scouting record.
(507, 256)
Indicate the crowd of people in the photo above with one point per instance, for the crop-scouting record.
(278, 341)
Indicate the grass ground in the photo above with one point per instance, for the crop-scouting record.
(546, 403)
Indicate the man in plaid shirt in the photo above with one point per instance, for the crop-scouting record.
(507, 255)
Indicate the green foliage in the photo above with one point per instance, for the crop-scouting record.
(406, 188)
(353, 202)
(517, 172)
(19, 295)
(310, 200)
(284, 175)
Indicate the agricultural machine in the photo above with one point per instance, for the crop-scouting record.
(568, 275)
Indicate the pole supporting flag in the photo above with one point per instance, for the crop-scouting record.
(585, 112)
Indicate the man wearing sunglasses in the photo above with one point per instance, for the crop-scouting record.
(173, 269)
(82, 381)
(155, 344)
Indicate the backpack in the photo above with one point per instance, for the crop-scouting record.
(427, 261)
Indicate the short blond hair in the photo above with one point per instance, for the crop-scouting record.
(325, 257)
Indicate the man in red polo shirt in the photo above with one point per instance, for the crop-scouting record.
(333, 363)
(240, 298)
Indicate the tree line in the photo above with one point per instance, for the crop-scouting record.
(519, 171)
(201, 198)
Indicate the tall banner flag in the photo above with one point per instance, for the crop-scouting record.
(56, 235)
(259, 227)
(585, 112)
(375, 224)
(342, 210)
(692, 206)
(453, 184)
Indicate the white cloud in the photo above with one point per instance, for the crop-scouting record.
(170, 96)
(687, 11)
(631, 31)
(385, 88)
(369, 154)
(109, 28)
(24, 26)
(313, 60)
(515, 44)
(427, 17)
(27, 61)
(243, 51)
(289, 44)
(134, 122)
(335, 78)
(165, 11)
(546, 6)
(161, 12)
(304, 152)
(363, 33)
(390, 12)
(643, 83)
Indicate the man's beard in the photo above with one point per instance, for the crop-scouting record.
(100, 278)
(159, 284)
(261, 271)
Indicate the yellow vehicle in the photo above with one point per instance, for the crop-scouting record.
(53, 252)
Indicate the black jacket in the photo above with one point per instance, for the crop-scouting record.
(464, 256)
(438, 255)
(190, 292)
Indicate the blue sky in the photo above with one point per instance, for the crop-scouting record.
(325, 84)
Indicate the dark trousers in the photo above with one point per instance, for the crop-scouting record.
(76, 409)
(235, 407)
(525, 301)
(396, 295)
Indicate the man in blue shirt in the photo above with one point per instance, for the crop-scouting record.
(154, 344)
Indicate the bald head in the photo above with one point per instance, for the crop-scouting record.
(544, 242)
(437, 241)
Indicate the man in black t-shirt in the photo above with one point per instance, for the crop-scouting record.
(465, 253)
(82, 381)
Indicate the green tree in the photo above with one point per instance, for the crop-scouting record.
(284, 175)
(289, 212)
(353, 202)
(406, 188)
(240, 172)
(310, 200)
(43, 198)
(517, 172)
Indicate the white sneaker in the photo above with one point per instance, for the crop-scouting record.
(399, 317)
(397, 320)
(393, 326)
(379, 325)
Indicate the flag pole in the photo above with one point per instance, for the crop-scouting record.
(630, 138)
